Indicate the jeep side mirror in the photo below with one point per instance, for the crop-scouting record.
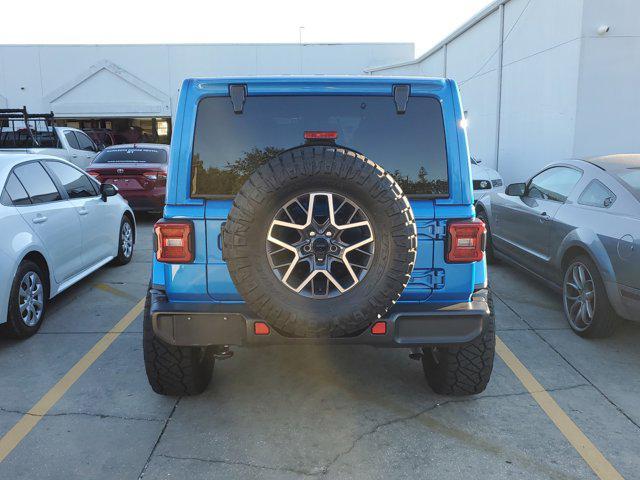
(516, 189)
(108, 190)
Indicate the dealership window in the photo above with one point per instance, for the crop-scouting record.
(107, 131)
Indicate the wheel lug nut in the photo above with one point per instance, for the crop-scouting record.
(329, 233)
(334, 248)
(312, 234)
(306, 248)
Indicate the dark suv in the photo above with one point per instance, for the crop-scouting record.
(319, 210)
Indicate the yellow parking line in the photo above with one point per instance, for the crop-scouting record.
(20, 430)
(105, 287)
(587, 450)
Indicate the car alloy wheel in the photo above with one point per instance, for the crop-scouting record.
(320, 244)
(126, 239)
(579, 296)
(31, 299)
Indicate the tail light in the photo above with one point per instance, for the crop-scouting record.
(466, 241)
(174, 242)
(159, 177)
(95, 175)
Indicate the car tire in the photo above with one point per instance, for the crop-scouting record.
(489, 253)
(600, 318)
(465, 369)
(26, 313)
(173, 370)
(126, 237)
(350, 302)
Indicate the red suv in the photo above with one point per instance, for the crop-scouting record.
(139, 171)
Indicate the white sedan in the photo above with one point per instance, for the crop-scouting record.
(57, 225)
(485, 179)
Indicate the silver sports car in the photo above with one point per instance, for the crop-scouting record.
(576, 225)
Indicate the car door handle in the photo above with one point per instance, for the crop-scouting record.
(83, 211)
(40, 219)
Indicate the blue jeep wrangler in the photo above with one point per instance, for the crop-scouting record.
(322, 210)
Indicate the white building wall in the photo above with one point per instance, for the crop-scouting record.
(472, 60)
(564, 90)
(539, 85)
(609, 83)
(144, 80)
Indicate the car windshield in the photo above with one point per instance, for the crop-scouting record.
(132, 155)
(229, 147)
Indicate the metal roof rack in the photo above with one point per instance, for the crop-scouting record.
(27, 134)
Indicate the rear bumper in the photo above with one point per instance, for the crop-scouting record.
(408, 325)
(145, 199)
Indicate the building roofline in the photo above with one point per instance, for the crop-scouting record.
(177, 44)
(477, 18)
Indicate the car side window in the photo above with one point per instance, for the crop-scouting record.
(71, 138)
(85, 142)
(15, 192)
(554, 183)
(76, 183)
(596, 194)
(37, 183)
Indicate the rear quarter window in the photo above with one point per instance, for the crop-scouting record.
(14, 193)
(596, 194)
(228, 147)
(37, 183)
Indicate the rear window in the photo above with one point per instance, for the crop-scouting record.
(631, 178)
(228, 147)
(132, 155)
(23, 139)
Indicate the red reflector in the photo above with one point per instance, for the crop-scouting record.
(173, 242)
(314, 135)
(261, 328)
(94, 174)
(466, 241)
(379, 328)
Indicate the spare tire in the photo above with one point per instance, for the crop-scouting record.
(320, 241)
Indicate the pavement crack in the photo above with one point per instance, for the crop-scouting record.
(537, 333)
(309, 473)
(86, 414)
(155, 445)
(428, 409)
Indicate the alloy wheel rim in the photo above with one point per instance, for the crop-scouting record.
(31, 299)
(126, 238)
(579, 296)
(320, 244)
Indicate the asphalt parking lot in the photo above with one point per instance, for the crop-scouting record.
(326, 412)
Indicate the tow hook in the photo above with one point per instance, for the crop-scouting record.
(415, 354)
(222, 353)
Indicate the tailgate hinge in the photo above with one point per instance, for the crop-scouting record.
(437, 230)
(238, 94)
(435, 278)
(401, 97)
